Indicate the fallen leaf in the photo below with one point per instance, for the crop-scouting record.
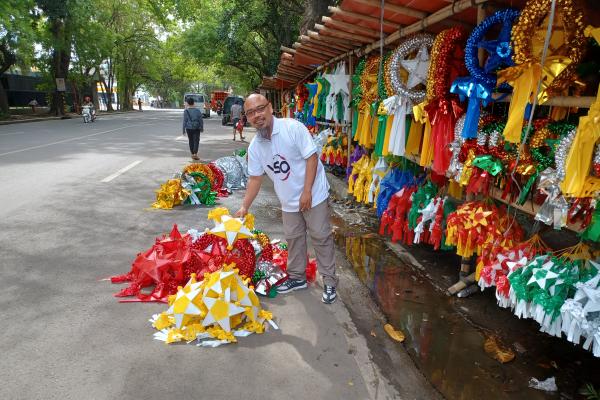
(350, 383)
(398, 336)
(373, 334)
(497, 351)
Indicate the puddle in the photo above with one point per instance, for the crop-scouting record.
(447, 348)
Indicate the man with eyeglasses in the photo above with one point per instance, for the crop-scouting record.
(284, 150)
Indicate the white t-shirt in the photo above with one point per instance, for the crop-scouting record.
(283, 159)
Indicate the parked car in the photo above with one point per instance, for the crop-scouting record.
(199, 102)
(229, 101)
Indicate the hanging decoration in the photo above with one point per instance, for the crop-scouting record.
(565, 52)
(406, 95)
(478, 87)
(443, 109)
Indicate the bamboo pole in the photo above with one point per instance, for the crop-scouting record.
(350, 27)
(316, 39)
(367, 18)
(342, 33)
(411, 12)
(287, 50)
(328, 38)
(307, 46)
(562, 101)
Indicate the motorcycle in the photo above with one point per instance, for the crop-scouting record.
(88, 114)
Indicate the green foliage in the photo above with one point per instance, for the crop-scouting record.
(590, 392)
(243, 38)
(165, 46)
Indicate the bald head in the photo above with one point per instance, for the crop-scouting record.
(255, 97)
(259, 112)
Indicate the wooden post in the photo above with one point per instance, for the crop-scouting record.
(349, 123)
(480, 18)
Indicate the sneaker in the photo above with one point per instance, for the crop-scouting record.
(329, 295)
(292, 284)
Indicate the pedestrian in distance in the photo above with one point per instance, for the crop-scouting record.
(139, 104)
(283, 149)
(193, 125)
(236, 116)
(33, 104)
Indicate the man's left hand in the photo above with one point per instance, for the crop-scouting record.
(305, 201)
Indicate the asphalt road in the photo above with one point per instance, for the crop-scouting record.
(74, 209)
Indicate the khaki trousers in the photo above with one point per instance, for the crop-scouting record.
(316, 222)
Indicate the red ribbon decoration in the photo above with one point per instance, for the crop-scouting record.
(443, 113)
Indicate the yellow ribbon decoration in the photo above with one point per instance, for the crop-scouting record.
(524, 79)
(415, 134)
(577, 181)
(388, 132)
(427, 148)
(591, 31)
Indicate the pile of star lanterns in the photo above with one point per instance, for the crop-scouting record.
(214, 311)
(172, 260)
(200, 183)
(210, 279)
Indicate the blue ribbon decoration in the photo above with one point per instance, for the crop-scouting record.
(477, 92)
(479, 86)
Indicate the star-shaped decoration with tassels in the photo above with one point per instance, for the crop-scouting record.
(187, 303)
(221, 310)
(231, 229)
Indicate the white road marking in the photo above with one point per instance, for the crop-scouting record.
(67, 140)
(181, 138)
(11, 133)
(121, 171)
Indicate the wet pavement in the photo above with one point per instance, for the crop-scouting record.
(441, 336)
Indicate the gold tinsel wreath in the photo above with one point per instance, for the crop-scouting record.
(526, 34)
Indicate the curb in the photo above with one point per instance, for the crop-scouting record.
(338, 187)
(22, 121)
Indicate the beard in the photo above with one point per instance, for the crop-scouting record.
(263, 132)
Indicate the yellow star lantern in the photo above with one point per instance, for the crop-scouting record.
(221, 307)
(221, 310)
(231, 229)
(187, 303)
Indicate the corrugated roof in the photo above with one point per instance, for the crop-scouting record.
(354, 27)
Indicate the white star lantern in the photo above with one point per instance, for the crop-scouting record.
(417, 68)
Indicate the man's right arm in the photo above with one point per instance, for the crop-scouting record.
(254, 183)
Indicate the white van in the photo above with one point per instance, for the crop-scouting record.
(199, 102)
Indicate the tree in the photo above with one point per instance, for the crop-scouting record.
(64, 19)
(17, 32)
(249, 33)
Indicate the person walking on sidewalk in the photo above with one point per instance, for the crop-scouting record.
(236, 116)
(193, 124)
(284, 150)
(139, 104)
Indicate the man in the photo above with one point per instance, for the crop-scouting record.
(236, 115)
(139, 104)
(284, 150)
(193, 125)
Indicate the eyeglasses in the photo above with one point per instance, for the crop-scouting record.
(257, 110)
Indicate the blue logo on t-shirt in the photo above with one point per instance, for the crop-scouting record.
(280, 167)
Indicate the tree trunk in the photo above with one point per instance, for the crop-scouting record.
(61, 57)
(8, 59)
(313, 10)
(4, 108)
(108, 92)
